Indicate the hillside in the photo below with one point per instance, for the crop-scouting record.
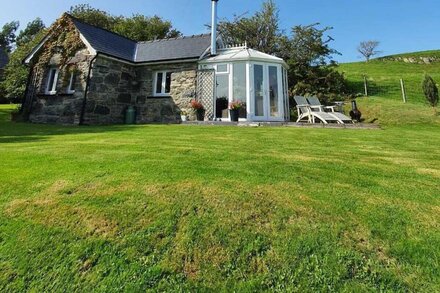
(384, 78)
(384, 104)
(420, 54)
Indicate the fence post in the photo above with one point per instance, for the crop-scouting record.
(365, 86)
(402, 86)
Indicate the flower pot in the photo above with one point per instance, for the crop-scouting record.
(183, 118)
(235, 114)
(200, 114)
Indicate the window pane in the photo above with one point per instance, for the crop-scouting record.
(168, 83)
(222, 96)
(159, 82)
(222, 68)
(258, 88)
(239, 87)
(273, 91)
(51, 84)
(72, 82)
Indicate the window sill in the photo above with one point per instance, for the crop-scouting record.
(49, 95)
(159, 97)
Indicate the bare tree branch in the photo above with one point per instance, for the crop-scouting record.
(368, 49)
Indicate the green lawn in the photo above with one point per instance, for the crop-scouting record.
(135, 208)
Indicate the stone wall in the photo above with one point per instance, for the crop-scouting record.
(414, 60)
(114, 86)
(62, 107)
(110, 92)
(165, 109)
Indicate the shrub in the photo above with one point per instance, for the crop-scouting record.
(431, 91)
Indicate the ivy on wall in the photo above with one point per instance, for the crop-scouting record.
(64, 39)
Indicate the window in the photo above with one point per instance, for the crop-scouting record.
(273, 92)
(259, 90)
(239, 91)
(162, 83)
(222, 96)
(72, 82)
(222, 91)
(222, 68)
(52, 79)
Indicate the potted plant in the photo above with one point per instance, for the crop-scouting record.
(198, 109)
(234, 110)
(184, 116)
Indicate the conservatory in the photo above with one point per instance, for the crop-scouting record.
(256, 79)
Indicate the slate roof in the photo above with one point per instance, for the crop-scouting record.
(112, 44)
(3, 58)
(172, 49)
(107, 42)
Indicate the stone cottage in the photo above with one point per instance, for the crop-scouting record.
(83, 74)
(110, 73)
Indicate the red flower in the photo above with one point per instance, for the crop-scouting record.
(196, 105)
(235, 105)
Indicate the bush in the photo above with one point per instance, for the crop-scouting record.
(431, 91)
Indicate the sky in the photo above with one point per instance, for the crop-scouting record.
(400, 25)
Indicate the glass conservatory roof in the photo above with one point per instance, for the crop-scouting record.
(242, 54)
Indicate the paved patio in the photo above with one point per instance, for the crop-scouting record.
(284, 124)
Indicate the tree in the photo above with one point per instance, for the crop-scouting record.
(138, 27)
(260, 31)
(7, 35)
(311, 64)
(431, 92)
(368, 49)
(142, 28)
(15, 75)
(93, 16)
(307, 50)
(31, 30)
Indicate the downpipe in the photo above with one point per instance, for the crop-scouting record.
(86, 91)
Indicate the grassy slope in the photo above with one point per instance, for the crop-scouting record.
(169, 207)
(384, 78)
(429, 53)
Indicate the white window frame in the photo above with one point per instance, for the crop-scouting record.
(281, 98)
(228, 73)
(223, 64)
(69, 87)
(53, 90)
(164, 80)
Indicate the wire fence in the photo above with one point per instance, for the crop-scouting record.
(406, 90)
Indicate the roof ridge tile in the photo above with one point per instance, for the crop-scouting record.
(175, 38)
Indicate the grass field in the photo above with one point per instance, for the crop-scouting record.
(138, 208)
(384, 78)
(428, 53)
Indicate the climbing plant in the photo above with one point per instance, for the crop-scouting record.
(64, 39)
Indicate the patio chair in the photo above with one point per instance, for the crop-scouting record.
(316, 104)
(305, 113)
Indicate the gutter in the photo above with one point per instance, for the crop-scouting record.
(86, 91)
(158, 62)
